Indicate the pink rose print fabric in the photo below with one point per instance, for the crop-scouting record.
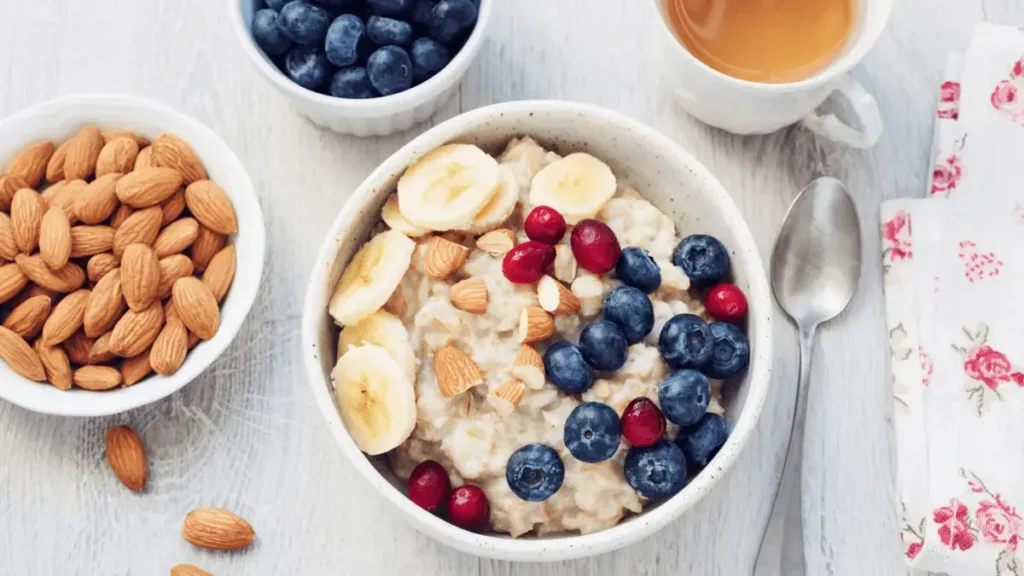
(896, 233)
(1007, 97)
(954, 522)
(947, 174)
(949, 100)
(977, 265)
(987, 368)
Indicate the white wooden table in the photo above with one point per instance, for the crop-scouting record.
(246, 435)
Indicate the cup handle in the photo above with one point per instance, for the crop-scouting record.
(864, 106)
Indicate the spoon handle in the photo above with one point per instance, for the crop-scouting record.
(782, 544)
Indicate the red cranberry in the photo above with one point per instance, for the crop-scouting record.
(726, 302)
(527, 262)
(643, 424)
(429, 486)
(595, 246)
(545, 224)
(468, 508)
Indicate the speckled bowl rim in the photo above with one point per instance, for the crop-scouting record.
(560, 547)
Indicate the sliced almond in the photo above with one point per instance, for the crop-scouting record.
(173, 207)
(106, 305)
(140, 276)
(120, 215)
(528, 367)
(217, 529)
(506, 397)
(176, 237)
(65, 195)
(211, 206)
(556, 298)
(456, 372)
(397, 304)
(55, 238)
(66, 318)
(96, 377)
(126, 456)
(470, 295)
(8, 248)
(134, 369)
(443, 257)
(497, 242)
(26, 320)
(55, 166)
(221, 272)
(8, 186)
(172, 268)
(208, 243)
(135, 332)
(142, 227)
(169, 348)
(196, 306)
(535, 324)
(20, 356)
(117, 156)
(147, 187)
(565, 263)
(144, 159)
(99, 265)
(56, 365)
(173, 152)
(66, 279)
(12, 281)
(100, 353)
(82, 151)
(27, 210)
(139, 139)
(91, 241)
(29, 163)
(97, 201)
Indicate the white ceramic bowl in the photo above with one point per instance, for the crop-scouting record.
(59, 119)
(670, 178)
(373, 116)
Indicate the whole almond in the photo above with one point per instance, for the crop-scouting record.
(12, 281)
(8, 249)
(120, 215)
(443, 257)
(51, 192)
(100, 353)
(26, 320)
(144, 159)
(66, 197)
(208, 243)
(106, 305)
(83, 150)
(188, 570)
(55, 167)
(96, 377)
(134, 369)
(66, 318)
(117, 155)
(220, 273)
(55, 238)
(196, 306)
(8, 186)
(98, 201)
(173, 152)
(64, 280)
(90, 240)
(27, 210)
(126, 456)
(30, 162)
(217, 529)
(140, 276)
(211, 206)
(469, 295)
(173, 207)
(99, 265)
(140, 140)
(135, 332)
(172, 268)
(142, 227)
(56, 365)
(176, 237)
(20, 356)
(78, 348)
(169, 348)
(148, 187)
(31, 291)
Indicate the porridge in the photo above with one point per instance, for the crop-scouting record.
(458, 355)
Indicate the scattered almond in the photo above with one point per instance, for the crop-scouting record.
(142, 227)
(173, 152)
(443, 257)
(56, 365)
(26, 320)
(66, 197)
(20, 356)
(55, 238)
(147, 187)
(126, 456)
(221, 272)
(78, 348)
(188, 570)
(456, 372)
(27, 210)
(564, 266)
(196, 306)
(208, 243)
(176, 237)
(82, 151)
(470, 295)
(217, 529)
(135, 368)
(497, 242)
(31, 291)
(140, 276)
(397, 304)
(506, 397)
(55, 166)
(211, 206)
(100, 353)
(97, 201)
(528, 367)
(106, 305)
(66, 318)
(144, 159)
(8, 248)
(12, 281)
(169, 348)
(173, 207)
(8, 186)
(64, 280)
(120, 215)
(135, 332)
(96, 377)
(29, 164)
(140, 140)
(556, 298)
(90, 241)
(535, 324)
(99, 265)
(172, 268)
(118, 156)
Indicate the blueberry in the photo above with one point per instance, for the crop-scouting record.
(267, 35)
(275, 4)
(304, 23)
(389, 31)
(684, 396)
(592, 432)
(703, 259)
(657, 472)
(343, 38)
(566, 368)
(390, 7)
(730, 351)
(701, 441)
(631, 310)
(637, 269)
(421, 13)
(428, 58)
(336, 5)
(535, 472)
(352, 82)
(390, 70)
(686, 342)
(604, 345)
(449, 18)
(307, 66)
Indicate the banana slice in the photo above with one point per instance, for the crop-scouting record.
(375, 397)
(497, 211)
(371, 277)
(385, 330)
(394, 219)
(578, 186)
(448, 187)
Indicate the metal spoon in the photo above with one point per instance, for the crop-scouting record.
(815, 267)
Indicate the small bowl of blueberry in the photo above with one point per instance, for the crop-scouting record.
(363, 67)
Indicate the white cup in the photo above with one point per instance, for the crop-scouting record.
(745, 107)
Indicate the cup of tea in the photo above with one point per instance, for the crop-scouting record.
(755, 66)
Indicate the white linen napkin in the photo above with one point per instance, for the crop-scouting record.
(954, 263)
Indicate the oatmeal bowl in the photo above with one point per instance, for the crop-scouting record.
(541, 330)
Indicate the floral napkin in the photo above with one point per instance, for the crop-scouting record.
(954, 265)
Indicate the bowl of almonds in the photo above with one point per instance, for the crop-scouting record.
(131, 250)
